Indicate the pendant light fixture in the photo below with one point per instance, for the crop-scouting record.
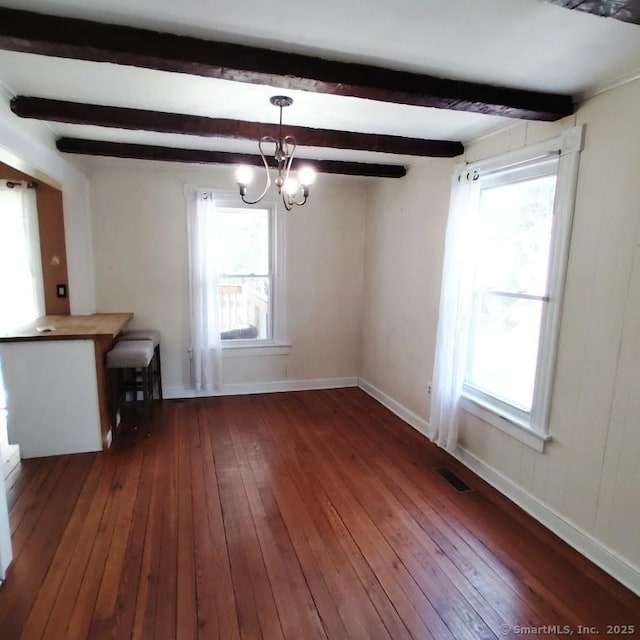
(293, 190)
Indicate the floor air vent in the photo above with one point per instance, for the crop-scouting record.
(457, 483)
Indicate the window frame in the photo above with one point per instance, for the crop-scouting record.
(277, 343)
(532, 428)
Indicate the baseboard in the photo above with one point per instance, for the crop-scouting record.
(601, 555)
(10, 459)
(607, 559)
(418, 423)
(277, 386)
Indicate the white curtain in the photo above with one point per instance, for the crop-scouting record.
(454, 314)
(206, 347)
(20, 263)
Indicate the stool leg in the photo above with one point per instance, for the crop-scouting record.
(115, 398)
(146, 397)
(159, 365)
(150, 380)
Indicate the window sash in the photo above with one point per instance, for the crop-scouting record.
(242, 310)
(512, 294)
(245, 275)
(485, 394)
(271, 213)
(277, 273)
(536, 418)
(521, 172)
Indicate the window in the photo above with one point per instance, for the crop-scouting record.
(511, 267)
(20, 262)
(20, 268)
(520, 211)
(245, 282)
(237, 279)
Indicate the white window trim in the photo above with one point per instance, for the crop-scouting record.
(506, 423)
(278, 344)
(248, 349)
(535, 431)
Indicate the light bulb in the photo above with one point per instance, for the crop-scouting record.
(306, 176)
(244, 175)
(291, 186)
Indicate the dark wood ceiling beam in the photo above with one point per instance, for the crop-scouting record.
(143, 120)
(625, 10)
(172, 154)
(87, 40)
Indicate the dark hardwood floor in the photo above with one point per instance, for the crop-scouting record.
(293, 516)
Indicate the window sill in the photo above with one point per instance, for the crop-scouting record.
(247, 349)
(509, 426)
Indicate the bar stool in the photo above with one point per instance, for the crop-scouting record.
(154, 336)
(131, 364)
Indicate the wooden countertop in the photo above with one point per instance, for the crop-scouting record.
(71, 327)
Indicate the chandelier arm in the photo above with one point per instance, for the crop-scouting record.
(299, 203)
(290, 200)
(285, 199)
(265, 139)
(289, 145)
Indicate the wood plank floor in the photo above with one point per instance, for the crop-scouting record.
(297, 516)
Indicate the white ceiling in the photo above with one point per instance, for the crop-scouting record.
(528, 44)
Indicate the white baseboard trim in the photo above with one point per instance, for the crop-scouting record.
(607, 559)
(263, 387)
(10, 458)
(601, 555)
(418, 423)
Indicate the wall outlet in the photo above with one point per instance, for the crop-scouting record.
(429, 390)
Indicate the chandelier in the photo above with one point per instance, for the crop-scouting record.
(293, 190)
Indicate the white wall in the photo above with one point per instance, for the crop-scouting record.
(405, 227)
(588, 479)
(140, 248)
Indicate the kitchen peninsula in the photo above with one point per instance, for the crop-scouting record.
(54, 375)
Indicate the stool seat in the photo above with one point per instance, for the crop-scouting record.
(135, 335)
(130, 354)
(142, 334)
(131, 371)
